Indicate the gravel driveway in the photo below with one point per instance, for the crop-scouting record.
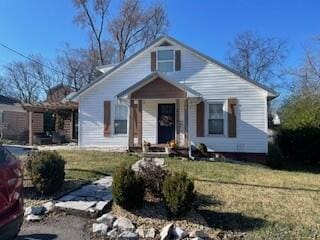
(56, 227)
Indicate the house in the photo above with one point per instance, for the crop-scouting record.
(170, 91)
(13, 119)
(53, 120)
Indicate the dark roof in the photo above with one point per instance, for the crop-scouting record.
(165, 38)
(8, 100)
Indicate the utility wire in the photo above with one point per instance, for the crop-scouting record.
(31, 59)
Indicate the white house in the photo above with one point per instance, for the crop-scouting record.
(169, 91)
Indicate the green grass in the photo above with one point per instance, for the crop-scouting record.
(90, 165)
(265, 203)
(268, 204)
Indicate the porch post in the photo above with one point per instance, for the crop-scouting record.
(30, 127)
(186, 134)
(178, 121)
(131, 124)
(139, 123)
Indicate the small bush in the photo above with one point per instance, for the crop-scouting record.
(127, 188)
(202, 148)
(46, 169)
(178, 192)
(275, 158)
(153, 176)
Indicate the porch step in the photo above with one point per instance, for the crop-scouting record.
(155, 154)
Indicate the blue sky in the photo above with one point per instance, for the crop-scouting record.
(38, 26)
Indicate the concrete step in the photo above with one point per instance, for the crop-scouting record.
(155, 154)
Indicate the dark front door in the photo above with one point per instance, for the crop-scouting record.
(166, 123)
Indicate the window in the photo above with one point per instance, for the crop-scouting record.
(165, 60)
(120, 119)
(215, 119)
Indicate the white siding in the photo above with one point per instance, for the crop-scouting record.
(210, 80)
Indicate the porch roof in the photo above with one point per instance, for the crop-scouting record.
(50, 106)
(153, 76)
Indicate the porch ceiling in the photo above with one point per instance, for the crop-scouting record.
(157, 86)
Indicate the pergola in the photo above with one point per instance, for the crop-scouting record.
(43, 107)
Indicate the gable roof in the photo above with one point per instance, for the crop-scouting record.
(166, 38)
(8, 100)
(153, 76)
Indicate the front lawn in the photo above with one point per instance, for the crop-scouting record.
(265, 203)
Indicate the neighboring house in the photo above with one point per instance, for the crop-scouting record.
(53, 116)
(169, 91)
(13, 119)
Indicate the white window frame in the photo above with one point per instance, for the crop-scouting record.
(223, 102)
(114, 118)
(160, 61)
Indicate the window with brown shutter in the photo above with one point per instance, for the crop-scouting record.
(153, 61)
(107, 118)
(232, 118)
(200, 119)
(177, 60)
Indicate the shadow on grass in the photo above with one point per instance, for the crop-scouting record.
(258, 185)
(231, 221)
(37, 237)
(300, 167)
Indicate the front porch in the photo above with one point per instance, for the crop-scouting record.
(158, 112)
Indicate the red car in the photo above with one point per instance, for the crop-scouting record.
(11, 201)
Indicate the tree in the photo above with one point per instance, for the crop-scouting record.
(258, 58)
(307, 77)
(23, 83)
(92, 16)
(135, 25)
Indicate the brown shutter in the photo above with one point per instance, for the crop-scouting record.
(232, 119)
(107, 118)
(178, 60)
(200, 119)
(153, 61)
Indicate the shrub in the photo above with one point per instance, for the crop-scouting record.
(202, 148)
(302, 144)
(46, 169)
(127, 188)
(275, 158)
(153, 176)
(178, 192)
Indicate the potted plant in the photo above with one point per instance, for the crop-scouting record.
(171, 145)
(145, 146)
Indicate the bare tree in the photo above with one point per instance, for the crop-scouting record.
(256, 57)
(135, 25)
(79, 64)
(23, 83)
(307, 77)
(92, 16)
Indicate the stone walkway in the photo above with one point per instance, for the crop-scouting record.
(91, 199)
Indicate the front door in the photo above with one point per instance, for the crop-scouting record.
(166, 123)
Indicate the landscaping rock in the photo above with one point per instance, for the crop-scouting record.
(49, 206)
(179, 233)
(113, 234)
(35, 210)
(151, 233)
(124, 224)
(100, 228)
(141, 232)
(33, 218)
(101, 205)
(167, 232)
(107, 218)
(143, 162)
(127, 235)
(198, 233)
